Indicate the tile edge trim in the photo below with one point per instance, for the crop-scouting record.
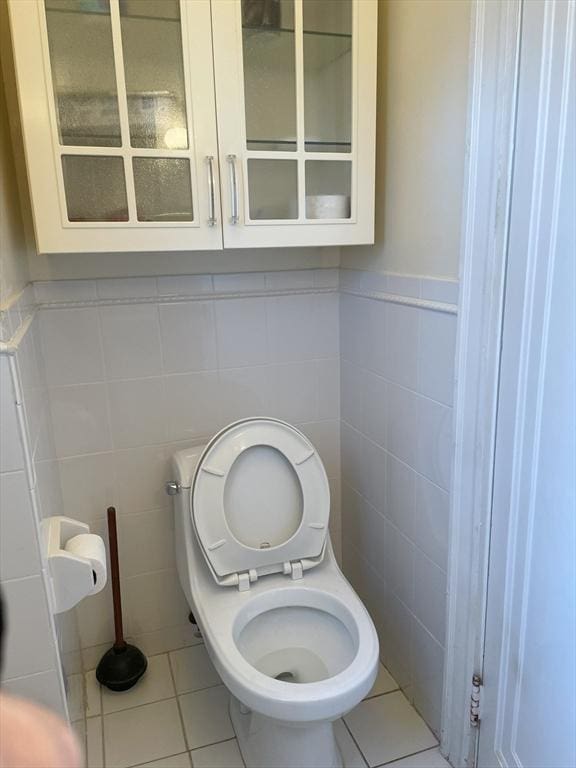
(182, 298)
(10, 347)
(394, 298)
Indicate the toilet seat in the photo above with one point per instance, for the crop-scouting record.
(260, 502)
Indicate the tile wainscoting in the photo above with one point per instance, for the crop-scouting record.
(39, 645)
(138, 368)
(397, 366)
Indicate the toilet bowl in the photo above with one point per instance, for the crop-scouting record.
(288, 635)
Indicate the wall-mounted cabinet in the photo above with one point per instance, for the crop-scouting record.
(157, 125)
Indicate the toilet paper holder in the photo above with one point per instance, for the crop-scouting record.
(77, 573)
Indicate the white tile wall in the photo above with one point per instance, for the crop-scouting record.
(80, 418)
(71, 347)
(42, 687)
(129, 287)
(29, 646)
(188, 333)
(141, 378)
(19, 552)
(130, 340)
(11, 449)
(36, 645)
(397, 371)
(136, 412)
(171, 360)
(192, 405)
(241, 331)
(88, 485)
(184, 285)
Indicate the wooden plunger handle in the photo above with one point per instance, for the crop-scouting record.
(119, 643)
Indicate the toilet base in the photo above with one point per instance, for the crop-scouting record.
(267, 743)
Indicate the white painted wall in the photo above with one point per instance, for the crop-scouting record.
(40, 648)
(13, 248)
(420, 146)
(31, 664)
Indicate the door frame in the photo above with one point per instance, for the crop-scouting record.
(493, 94)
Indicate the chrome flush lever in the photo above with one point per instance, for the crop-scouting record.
(172, 488)
(233, 189)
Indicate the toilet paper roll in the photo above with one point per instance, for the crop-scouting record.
(91, 547)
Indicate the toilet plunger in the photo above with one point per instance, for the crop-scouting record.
(123, 665)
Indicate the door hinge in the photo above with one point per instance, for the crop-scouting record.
(475, 698)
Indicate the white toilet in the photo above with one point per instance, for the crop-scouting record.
(286, 632)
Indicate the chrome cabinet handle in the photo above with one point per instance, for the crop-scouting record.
(233, 189)
(211, 191)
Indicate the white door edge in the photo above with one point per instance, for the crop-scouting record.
(494, 52)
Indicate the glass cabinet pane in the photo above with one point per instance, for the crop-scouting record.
(83, 73)
(273, 189)
(269, 74)
(327, 75)
(163, 191)
(328, 189)
(95, 188)
(154, 71)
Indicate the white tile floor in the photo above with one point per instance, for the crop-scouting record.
(177, 717)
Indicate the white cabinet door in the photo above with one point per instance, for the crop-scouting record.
(118, 117)
(296, 101)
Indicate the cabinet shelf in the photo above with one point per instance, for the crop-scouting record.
(144, 17)
(104, 13)
(292, 142)
(311, 32)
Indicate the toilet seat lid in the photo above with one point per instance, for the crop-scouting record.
(260, 500)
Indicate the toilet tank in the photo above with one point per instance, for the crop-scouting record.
(184, 465)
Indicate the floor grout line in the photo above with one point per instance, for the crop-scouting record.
(355, 742)
(165, 757)
(102, 732)
(214, 743)
(377, 695)
(139, 706)
(160, 653)
(180, 714)
(189, 749)
(412, 754)
(198, 690)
